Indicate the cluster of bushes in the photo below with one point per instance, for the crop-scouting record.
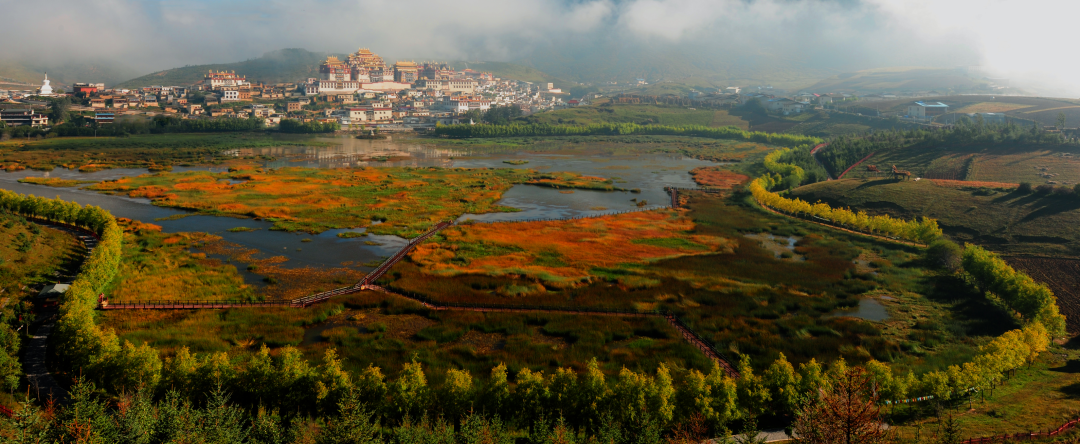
(922, 231)
(606, 129)
(1049, 190)
(312, 127)
(1018, 292)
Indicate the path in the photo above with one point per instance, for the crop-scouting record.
(35, 358)
(813, 153)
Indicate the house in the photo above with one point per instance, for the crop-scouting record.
(260, 110)
(23, 116)
(792, 107)
(294, 106)
(230, 96)
(97, 103)
(194, 109)
(53, 291)
(104, 118)
(927, 110)
(150, 100)
(120, 103)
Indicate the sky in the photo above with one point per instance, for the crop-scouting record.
(1025, 40)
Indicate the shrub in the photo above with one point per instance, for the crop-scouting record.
(1044, 189)
(1063, 191)
(1025, 187)
(945, 254)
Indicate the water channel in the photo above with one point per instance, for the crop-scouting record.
(649, 172)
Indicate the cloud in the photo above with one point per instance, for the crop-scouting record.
(1006, 35)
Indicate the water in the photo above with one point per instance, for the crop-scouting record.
(649, 173)
(868, 309)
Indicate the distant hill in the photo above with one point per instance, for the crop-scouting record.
(514, 71)
(283, 65)
(901, 79)
(63, 75)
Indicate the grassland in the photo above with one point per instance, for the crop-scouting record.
(409, 200)
(698, 148)
(755, 297)
(138, 151)
(640, 114)
(718, 177)
(1039, 398)
(55, 181)
(33, 255)
(565, 254)
(1006, 221)
(1011, 164)
(373, 329)
(163, 267)
(1041, 109)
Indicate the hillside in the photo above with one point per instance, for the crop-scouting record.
(901, 79)
(63, 75)
(283, 65)
(1020, 108)
(1006, 221)
(641, 114)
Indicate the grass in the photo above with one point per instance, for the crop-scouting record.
(55, 181)
(561, 254)
(159, 266)
(373, 329)
(1003, 220)
(32, 255)
(1041, 397)
(408, 200)
(698, 148)
(746, 298)
(138, 151)
(1013, 164)
(641, 114)
(718, 177)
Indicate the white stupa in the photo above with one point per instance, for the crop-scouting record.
(45, 90)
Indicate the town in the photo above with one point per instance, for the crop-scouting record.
(363, 92)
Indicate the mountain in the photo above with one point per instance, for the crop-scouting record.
(283, 65)
(14, 74)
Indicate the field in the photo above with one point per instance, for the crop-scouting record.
(698, 148)
(1002, 220)
(640, 114)
(1025, 109)
(374, 329)
(409, 201)
(1011, 164)
(1063, 278)
(32, 255)
(138, 151)
(771, 292)
(55, 181)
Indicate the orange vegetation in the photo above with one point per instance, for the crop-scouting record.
(409, 200)
(563, 253)
(717, 177)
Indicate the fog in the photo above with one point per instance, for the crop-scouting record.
(1022, 40)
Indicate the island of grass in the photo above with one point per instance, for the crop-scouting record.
(408, 200)
(157, 151)
(55, 181)
(696, 147)
(32, 255)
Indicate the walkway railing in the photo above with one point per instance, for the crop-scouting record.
(1028, 436)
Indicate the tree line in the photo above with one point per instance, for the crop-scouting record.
(1018, 292)
(312, 127)
(782, 175)
(608, 129)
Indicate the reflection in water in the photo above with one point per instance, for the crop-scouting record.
(648, 173)
(868, 309)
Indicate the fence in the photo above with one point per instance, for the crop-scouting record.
(557, 219)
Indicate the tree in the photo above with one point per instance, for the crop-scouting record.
(845, 413)
(780, 379)
(1060, 123)
(949, 432)
(945, 254)
(59, 109)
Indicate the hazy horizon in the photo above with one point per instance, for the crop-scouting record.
(822, 35)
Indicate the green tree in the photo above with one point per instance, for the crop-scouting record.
(782, 382)
(356, 424)
(409, 393)
(752, 392)
(496, 395)
(1060, 122)
(59, 109)
(455, 397)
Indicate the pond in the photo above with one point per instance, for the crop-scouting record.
(868, 309)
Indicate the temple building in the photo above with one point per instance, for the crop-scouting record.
(406, 72)
(219, 79)
(46, 89)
